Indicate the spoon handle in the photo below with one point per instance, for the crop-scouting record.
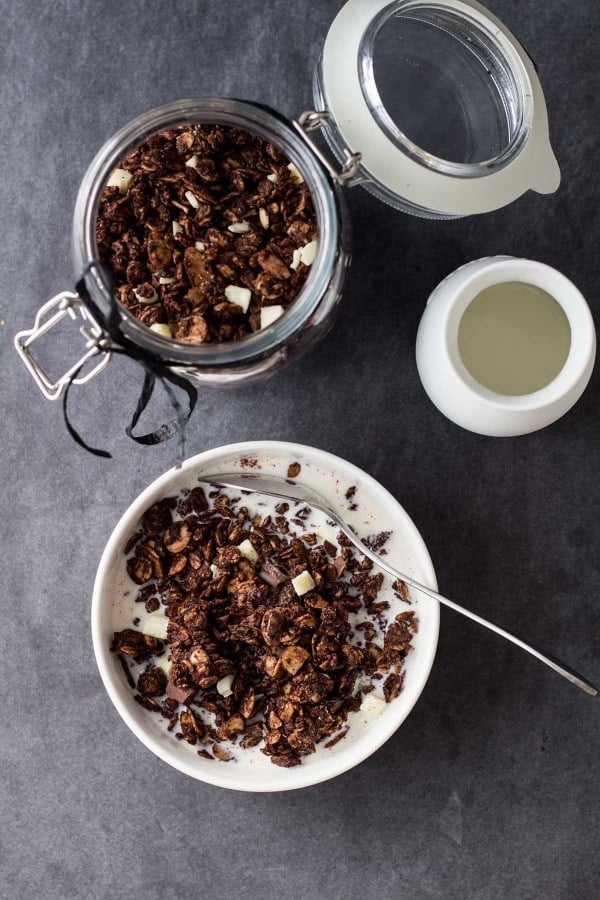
(559, 667)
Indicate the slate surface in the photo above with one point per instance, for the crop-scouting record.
(491, 788)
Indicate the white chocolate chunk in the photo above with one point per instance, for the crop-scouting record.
(246, 548)
(166, 280)
(296, 259)
(215, 571)
(272, 178)
(241, 296)
(264, 218)
(146, 301)
(239, 227)
(177, 229)
(308, 253)
(119, 178)
(192, 162)
(162, 329)
(224, 686)
(164, 663)
(303, 583)
(326, 533)
(372, 705)
(192, 199)
(200, 245)
(295, 173)
(156, 626)
(180, 206)
(270, 314)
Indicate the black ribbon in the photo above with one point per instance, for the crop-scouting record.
(154, 369)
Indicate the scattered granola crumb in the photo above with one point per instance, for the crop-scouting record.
(294, 470)
(377, 541)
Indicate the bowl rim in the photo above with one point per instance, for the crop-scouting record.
(299, 776)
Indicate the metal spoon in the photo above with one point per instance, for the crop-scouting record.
(283, 489)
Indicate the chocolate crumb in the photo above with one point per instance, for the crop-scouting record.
(294, 470)
(127, 671)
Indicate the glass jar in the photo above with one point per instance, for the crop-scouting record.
(256, 356)
(434, 107)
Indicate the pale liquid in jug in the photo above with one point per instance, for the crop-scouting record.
(514, 338)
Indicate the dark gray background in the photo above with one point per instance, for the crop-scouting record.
(491, 788)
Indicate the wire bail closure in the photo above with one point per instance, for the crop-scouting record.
(348, 176)
(48, 317)
(104, 336)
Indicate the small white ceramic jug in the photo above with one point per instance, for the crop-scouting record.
(454, 390)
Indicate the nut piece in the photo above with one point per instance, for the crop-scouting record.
(177, 229)
(296, 174)
(120, 178)
(238, 295)
(296, 259)
(309, 253)
(270, 314)
(162, 329)
(200, 245)
(239, 227)
(192, 199)
(166, 280)
(303, 583)
(192, 162)
(263, 217)
(246, 548)
(293, 658)
(224, 686)
(156, 626)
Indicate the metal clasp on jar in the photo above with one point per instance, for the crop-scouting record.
(48, 316)
(349, 175)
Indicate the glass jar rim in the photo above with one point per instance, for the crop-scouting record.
(270, 125)
(495, 42)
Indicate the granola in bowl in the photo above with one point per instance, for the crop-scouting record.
(289, 665)
(209, 232)
(270, 634)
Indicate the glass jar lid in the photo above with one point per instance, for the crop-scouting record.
(442, 102)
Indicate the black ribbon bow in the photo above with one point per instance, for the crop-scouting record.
(154, 369)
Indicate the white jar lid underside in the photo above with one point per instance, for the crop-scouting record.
(534, 167)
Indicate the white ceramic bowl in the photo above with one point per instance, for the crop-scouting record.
(113, 608)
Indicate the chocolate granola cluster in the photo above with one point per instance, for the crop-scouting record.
(209, 232)
(274, 636)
